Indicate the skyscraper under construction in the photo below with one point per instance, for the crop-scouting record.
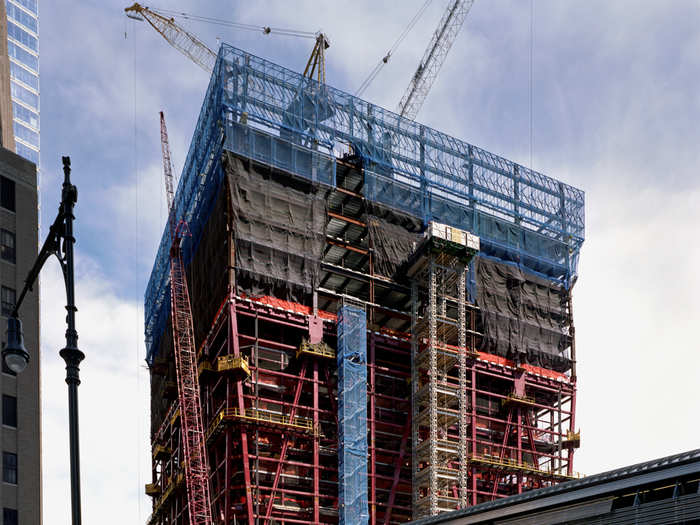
(382, 313)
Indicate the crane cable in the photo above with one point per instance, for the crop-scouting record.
(236, 25)
(383, 61)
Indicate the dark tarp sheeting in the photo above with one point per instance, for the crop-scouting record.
(392, 244)
(524, 316)
(279, 233)
(406, 222)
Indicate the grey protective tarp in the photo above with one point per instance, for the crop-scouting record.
(524, 316)
(392, 245)
(279, 233)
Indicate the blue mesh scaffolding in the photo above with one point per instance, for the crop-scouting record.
(269, 114)
(352, 416)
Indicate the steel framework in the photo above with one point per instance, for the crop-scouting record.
(478, 425)
(269, 399)
(261, 110)
(439, 395)
(272, 426)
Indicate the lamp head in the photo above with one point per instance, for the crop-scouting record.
(14, 354)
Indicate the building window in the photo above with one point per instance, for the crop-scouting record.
(9, 467)
(7, 193)
(21, 36)
(17, 72)
(25, 115)
(23, 94)
(9, 411)
(9, 516)
(8, 298)
(28, 153)
(25, 57)
(29, 4)
(27, 135)
(17, 14)
(7, 246)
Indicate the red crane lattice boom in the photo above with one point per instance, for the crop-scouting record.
(193, 442)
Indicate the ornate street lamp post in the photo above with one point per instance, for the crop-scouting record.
(59, 242)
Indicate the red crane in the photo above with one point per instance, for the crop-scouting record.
(193, 442)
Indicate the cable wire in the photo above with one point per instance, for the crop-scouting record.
(236, 25)
(532, 23)
(385, 59)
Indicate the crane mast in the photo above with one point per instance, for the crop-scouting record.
(193, 441)
(435, 54)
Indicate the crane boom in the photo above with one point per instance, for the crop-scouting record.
(168, 173)
(435, 54)
(185, 42)
(185, 351)
(197, 51)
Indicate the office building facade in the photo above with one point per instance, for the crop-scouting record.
(20, 490)
(23, 53)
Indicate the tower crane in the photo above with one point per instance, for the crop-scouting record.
(197, 51)
(193, 440)
(185, 42)
(416, 92)
(435, 54)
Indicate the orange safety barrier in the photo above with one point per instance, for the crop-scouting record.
(289, 305)
(502, 361)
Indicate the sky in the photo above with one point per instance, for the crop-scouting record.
(615, 112)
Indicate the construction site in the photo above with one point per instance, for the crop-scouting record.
(353, 318)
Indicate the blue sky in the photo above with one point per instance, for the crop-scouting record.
(615, 113)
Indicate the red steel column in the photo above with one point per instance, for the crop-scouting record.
(227, 476)
(397, 470)
(372, 449)
(572, 422)
(233, 344)
(317, 437)
(520, 447)
(285, 443)
(473, 418)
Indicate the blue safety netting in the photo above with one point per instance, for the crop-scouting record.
(352, 416)
(262, 111)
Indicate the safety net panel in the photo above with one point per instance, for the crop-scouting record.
(352, 416)
(277, 117)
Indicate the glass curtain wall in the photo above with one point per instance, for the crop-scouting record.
(23, 50)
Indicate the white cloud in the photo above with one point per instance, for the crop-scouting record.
(636, 307)
(113, 401)
(616, 110)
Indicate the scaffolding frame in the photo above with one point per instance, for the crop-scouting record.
(439, 402)
(263, 111)
(269, 399)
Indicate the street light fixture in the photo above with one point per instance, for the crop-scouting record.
(14, 354)
(59, 242)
